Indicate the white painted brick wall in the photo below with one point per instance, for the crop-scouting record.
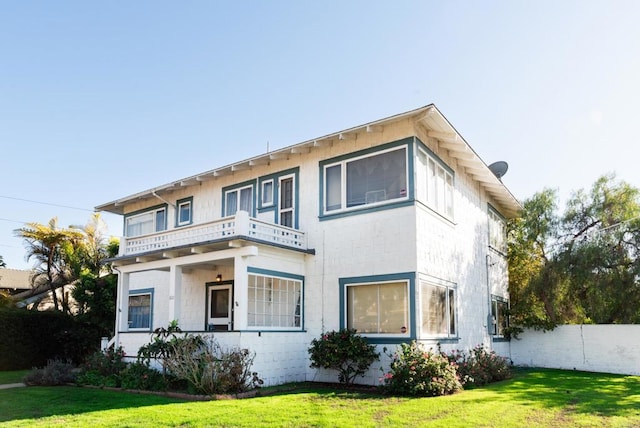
(596, 348)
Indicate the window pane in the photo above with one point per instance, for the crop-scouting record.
(231, 203)
(377, 178)
(434, 310)
(267, 193)
(286, 218)
(140, 311)
(140, 225)
(378, 308)
(333, 188)
(246, 199)
(184, 215)
(452, 312)
(161, 220)
(274, 302)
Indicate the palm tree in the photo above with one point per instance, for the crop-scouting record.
(51, 247)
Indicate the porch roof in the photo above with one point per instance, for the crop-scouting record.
(436, 125)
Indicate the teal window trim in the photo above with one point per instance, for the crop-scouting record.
(285, 275)
(275, 206)
(142, 292)
(248, 183)
(409, 277)
(269, 204)
(179, 203)
(154, 208)
(407, 143)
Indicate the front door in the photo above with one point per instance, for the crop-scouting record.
(219, 307)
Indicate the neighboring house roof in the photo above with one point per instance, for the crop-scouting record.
(14, 279)
(437, 126)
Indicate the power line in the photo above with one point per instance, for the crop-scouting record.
(45, 203)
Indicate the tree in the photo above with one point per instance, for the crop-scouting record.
(580, 267)
(2, 263)
(49, 245)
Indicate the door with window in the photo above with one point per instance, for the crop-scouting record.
(219, 306)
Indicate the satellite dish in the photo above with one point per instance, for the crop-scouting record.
(499, 168)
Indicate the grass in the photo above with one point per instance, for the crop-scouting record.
(12, 377)
(533, 398)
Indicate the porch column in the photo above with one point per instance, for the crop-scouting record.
(122, 313)
(240, 293)
(175, 292)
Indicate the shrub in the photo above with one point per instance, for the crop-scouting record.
(161, 345)
(209, 368)
(345, 351)
(480, 367)
(141, 376)
(56, 372)
(103, 368)
(417, 372)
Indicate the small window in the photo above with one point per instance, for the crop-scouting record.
(371, 179)
(438, 310)
(497, 231)
(274, 302)
(185, 212)
(140, 311)
(378, 308)
(499, 315)
(154, 220)
(267, 193)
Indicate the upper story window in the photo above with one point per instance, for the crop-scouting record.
(184, 214)
(239, 198)
(150, 221)
(435, 186)
(373, 178)
(267, 193)
(497, 231)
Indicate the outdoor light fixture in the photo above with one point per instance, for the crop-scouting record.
(219, 278)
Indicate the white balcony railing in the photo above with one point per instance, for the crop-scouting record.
(238, 226)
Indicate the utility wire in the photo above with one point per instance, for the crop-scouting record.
(45, 203)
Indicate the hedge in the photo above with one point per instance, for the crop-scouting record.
(29, 339)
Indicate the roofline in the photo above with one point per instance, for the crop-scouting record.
(423, 114)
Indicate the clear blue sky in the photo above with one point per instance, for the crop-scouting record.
(102, 99)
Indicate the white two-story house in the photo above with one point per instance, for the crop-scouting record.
(395, 228)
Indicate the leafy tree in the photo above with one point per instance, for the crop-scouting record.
(2, 263)
(49, 245)
(578, 267)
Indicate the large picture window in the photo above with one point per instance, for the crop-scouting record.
(438, 310)
(435, 184)
(274, 302)
(370, 179)
(378, 308)
(140, 304)
(151, 221)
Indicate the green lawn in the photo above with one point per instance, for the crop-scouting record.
(12, 377)
(533, 398)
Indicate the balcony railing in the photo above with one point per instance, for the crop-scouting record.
(238, 226)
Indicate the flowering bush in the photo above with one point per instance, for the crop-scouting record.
(345, 351)
(480, 367)
(415, 371)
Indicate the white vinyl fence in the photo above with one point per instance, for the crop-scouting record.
(594, 348)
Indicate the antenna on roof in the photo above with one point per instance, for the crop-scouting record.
(499, 169)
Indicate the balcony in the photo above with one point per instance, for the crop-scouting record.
(239, 226)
